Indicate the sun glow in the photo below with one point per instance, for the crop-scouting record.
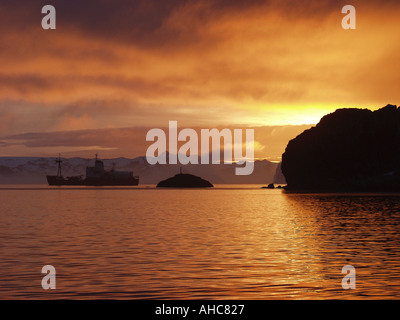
(268, 115)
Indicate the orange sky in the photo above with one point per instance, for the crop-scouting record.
(125, 64)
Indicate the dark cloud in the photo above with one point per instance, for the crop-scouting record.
(79, 138)
(24, 83)
(144, 22)
(33, 85)
(140, 22)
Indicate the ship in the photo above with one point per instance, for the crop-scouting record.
(95, 176)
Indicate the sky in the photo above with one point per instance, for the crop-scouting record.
(112, 70)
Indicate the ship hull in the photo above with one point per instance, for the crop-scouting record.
(60, 181)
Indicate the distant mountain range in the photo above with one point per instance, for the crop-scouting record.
(33, 170)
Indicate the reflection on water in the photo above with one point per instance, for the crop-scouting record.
(224, 243)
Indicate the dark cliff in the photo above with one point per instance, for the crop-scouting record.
(348, 150)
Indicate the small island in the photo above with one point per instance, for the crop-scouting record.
(270, 186)
(184, 180)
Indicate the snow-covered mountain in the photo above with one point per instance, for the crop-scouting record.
(34, 170)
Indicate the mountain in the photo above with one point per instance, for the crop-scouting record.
(348, 150)
(279, 178)
(34, 170)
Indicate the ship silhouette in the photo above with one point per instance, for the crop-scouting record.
(95, 176)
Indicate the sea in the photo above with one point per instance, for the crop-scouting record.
(230, 242)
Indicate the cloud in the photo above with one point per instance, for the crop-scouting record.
(270, 141)
(204, 63)
(156, 23)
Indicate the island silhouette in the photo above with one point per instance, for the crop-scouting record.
(184, 180)
(348, 150)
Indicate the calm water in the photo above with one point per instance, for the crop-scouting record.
(225, 243)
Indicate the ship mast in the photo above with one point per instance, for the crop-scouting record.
(59, 165)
